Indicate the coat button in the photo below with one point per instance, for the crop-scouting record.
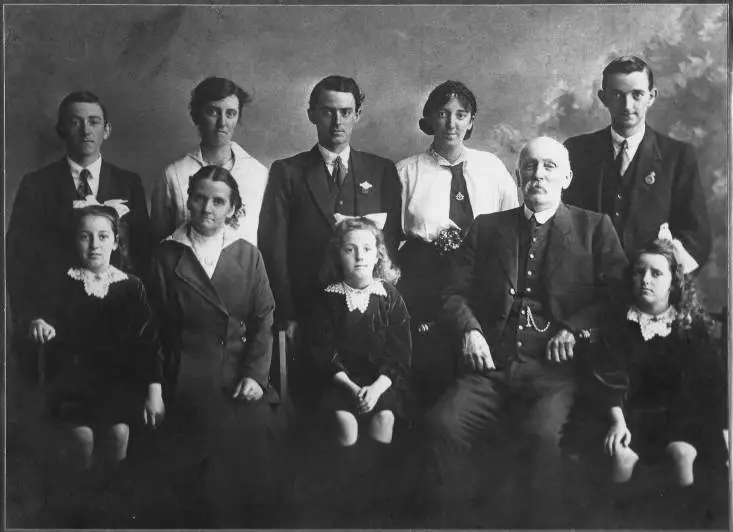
(529, 290)
(221, 341)
(519, 344)
(512, 291)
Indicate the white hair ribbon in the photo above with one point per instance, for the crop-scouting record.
(378, 218)
(117, 204)
(683, 257)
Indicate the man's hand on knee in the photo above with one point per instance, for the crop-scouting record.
(476, 352)
(560, 347)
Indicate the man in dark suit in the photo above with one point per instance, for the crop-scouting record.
(40, 238)
(306, 190)
(639, 177)
(526, 285)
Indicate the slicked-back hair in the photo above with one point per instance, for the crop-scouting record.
(77, 97)
(627, 64)
(337, 84)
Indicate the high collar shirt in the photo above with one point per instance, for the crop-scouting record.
(541, 216)
(168, 208)
(426, 185)
(634, 142)
(329, 157)
(94, 169)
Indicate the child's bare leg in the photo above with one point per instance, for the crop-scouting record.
(118, 437)
(623, 462)
(82, 448)
(381, 426)
(683, 459)
(347, 428)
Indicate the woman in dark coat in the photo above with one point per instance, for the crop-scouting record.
(216, 309)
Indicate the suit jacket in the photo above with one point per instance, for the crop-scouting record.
(296, 221)
(216, 330)
(665, 188)
(583, 261)
(40, 239)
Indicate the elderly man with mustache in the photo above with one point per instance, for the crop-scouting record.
(526, 285)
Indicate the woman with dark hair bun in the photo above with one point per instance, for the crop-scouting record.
(216, 110)
(215, 306)
(443, 189)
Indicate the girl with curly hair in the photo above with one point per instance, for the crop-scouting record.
(664, 378)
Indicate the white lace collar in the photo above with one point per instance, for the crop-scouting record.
(651, 326)
(97, 284)
(357, 298)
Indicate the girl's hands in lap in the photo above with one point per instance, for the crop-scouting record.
(617, 436)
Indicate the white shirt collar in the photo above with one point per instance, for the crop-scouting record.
(651, 326)
(442, 161)
(541, 216)
(633, 141)
(95, 168)
(329, 157)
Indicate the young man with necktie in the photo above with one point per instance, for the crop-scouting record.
(40, 233)
(639, 177)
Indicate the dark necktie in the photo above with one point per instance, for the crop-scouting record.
(622, 159)
(460, 206)
(339, 171)
(84, 189)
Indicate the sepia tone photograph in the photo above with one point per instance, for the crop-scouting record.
(391, 266)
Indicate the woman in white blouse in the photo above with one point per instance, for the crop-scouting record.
(216, 109)
(443, 189)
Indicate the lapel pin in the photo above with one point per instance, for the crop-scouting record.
(651, 178)
(365, 187)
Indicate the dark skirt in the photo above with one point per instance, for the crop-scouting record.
(424, 274)
(81, 398)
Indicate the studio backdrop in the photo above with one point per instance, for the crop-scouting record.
(534, 69)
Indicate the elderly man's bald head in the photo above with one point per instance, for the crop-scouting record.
(547, 144)
(543, 171)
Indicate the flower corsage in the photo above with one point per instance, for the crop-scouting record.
(449, 239)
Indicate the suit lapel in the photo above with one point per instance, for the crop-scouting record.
(604, 149)
(192, 273)
(560, 240)
(648, 164)
(105, 183)
(507, 250)
(318, 186)
(226, 270)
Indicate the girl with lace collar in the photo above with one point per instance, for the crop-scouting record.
(662, 375)
(100, 341)
(361, 338)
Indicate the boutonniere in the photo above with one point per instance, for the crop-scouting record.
(650, 178)
(365, 187)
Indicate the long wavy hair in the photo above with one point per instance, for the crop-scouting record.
(683, 293)
(332, 270)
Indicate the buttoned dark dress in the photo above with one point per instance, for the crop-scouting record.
(105, 353)
(365, 346)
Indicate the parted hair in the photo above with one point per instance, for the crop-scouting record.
(222, 175)
(213, 89)
(103, 211)
(627, 64)
(332, 271)
(440, 96)
(338, 84)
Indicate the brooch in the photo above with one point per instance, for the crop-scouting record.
(365, 187)
(651, 178)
